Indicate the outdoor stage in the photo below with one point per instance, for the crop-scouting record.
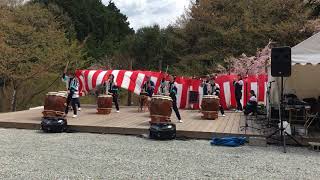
(130, 122)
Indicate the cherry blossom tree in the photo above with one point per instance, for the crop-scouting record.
(257, 64)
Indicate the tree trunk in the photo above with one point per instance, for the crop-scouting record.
(14, 98)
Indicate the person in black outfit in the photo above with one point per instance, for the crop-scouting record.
(212, 88)
(216, 91)
(238, 92)
(172, 89)
(148, 87)
(162, 87)
(73, 93)
(251, 106)
(206, 85)
(112, 89)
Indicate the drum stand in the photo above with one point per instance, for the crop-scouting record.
(281, 129)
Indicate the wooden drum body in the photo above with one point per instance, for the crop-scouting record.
(160, 108)
(210, 107)
(104, 103)
(54, 104)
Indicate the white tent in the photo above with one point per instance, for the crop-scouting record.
(305, 75)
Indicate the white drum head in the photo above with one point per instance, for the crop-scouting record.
(52, 93)
(61, 95)
(162, 97)
(104, 95)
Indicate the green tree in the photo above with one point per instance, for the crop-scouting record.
(98, 27)
(217, 29)
(32, 44)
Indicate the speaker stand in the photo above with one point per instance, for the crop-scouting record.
(282, 131)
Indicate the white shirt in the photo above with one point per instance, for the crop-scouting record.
(75, 94)
(240, 82)
(253, 99)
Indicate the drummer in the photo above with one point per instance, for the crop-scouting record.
(112, 89)
(172, 89)
(73, 92)
(162, 87)
(206, 86)
(148, 87)
(215, 90)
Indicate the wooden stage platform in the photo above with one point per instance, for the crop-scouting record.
(131, 122)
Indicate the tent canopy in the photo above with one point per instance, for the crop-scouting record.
(307, 52)
(305, 75)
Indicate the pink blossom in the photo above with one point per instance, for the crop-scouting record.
(252, 65)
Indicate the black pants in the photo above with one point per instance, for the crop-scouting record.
(175, 108)
(239, 105)
(73, 102)
(221, 109)
(250, 108)
(115, 100)
(78, 102)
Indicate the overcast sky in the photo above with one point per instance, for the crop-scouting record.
(148, 12)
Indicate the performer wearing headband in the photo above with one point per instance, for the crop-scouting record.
(111, 88)
(172, 89)
(73, 93)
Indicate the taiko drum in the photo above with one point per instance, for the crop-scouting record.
(160, 108)
(104, 103)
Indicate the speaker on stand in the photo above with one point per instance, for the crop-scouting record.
(281, 67)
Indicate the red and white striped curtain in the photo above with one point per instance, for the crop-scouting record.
(133, 81)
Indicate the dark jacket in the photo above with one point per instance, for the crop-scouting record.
(238, 89)
(112, 88)
(173, 90)
(150, 89)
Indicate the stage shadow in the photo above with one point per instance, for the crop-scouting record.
(95, 113)
(136, 111)
(145, 123)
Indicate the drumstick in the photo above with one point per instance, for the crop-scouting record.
(167, 69)
(66, 68)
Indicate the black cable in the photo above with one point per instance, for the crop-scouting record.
(48, 86)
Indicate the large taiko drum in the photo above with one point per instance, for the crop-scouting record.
(210, 106)
(54, 104)
(160, 108)
(104, 103)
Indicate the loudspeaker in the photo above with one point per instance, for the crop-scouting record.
(281, 62)
(162, 131)
(54, 125)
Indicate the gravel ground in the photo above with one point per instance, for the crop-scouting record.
(26, 154)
